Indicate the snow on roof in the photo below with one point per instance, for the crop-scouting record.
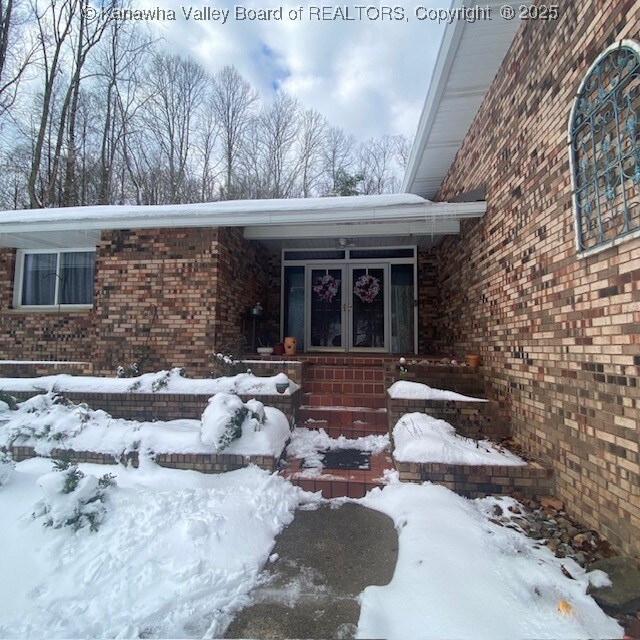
(228, 212)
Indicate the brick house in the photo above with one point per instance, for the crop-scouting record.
(517, 237)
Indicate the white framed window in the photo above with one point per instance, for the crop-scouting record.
(54, 278)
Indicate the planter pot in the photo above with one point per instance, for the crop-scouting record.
(265, 351)
(281, 387)
(473, 359)
(290, 346)
(278, 349)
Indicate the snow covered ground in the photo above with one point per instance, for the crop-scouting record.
(308, 443)
(179, 551)
(158, 382)
(176, 555)
(407, 390)
(461, 576)
(418, 437)
(44, 424)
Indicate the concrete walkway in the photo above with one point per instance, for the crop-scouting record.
(326, 558)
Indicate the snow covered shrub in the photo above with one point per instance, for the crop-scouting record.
(227, 361)
(141, 355)
(71, 498)
(225, 418)
(47, 417)
(7, 467)
(162, 382)
(6, 399)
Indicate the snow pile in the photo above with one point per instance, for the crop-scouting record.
(45, 423)
(307, 444)
(175, 558)
(418, 437)
(232, 426)
(406, 390)
(461, 576)
(72, 498)
(160, 382)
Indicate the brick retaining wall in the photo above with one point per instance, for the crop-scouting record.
(461, 379)
(203, 462)
(534, 479)
(165, 406)
(470, 419)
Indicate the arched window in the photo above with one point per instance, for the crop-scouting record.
(604, 139)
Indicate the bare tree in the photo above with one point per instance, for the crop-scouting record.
(279, 126)
(207, 139)
(337, 156)
(177, 89)
(233, 101)
(313, 138)
(377, 165)
(118, 74)
(16, 51)
(53, 23)
(86, 36)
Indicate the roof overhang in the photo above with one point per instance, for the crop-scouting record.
(264, 220)
(469, 57)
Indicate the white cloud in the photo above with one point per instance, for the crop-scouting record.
(369, 77)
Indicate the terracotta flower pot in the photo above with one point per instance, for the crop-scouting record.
(473, 359)
(290, 346)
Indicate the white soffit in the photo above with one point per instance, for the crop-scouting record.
(469, 57)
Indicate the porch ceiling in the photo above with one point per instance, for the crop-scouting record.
(319, 236)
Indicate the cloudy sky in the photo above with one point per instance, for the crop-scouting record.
(369, 76)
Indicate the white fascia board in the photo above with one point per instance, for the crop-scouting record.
(384, 230)
(444, 62)
(437, 91)
(248, 219)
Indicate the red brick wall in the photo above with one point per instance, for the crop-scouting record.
(179, 291)
(36, 335)
(242, 282)
(428, 305)
(171, 273)
(560, 335)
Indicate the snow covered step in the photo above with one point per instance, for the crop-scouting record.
(336, 417)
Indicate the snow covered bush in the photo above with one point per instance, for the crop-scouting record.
(71, 498)
(7, 467)
(7, 402)
(228, 359)
(225, 418)
(47, 417)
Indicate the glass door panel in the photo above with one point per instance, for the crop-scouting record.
(402, 308)
(326, 308)
(368, 307)
(294, 303)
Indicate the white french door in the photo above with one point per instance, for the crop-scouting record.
(348, 308)
(367, 299)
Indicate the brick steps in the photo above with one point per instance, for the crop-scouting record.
(347, 382)
(340, 483)
(352, 400)
(348, 422)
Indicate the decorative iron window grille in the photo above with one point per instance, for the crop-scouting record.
(604, 139)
